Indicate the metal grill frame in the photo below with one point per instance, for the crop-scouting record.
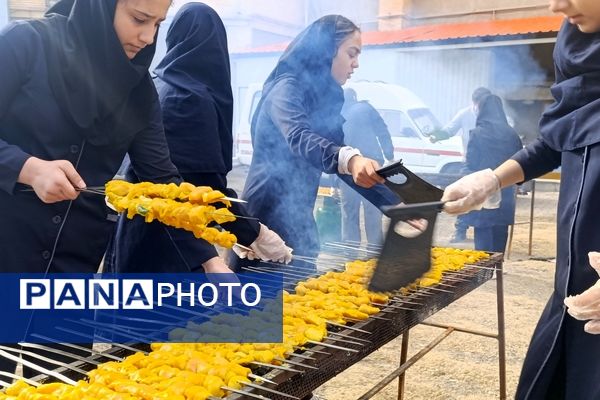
(382, 332)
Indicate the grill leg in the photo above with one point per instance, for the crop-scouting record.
(403, 357)
(501, 329)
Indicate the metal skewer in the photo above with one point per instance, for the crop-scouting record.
(261, 379)
(295, 363)
(76, 347)
(332, 346)
(349, 337)
(334, 339)
(35, 367)
(349, 327)
(300, 356)
(17, 377)
(42, 358)
(119, 345)
(261, 364)
(58, 351)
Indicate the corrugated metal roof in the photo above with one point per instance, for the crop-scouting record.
(436, 33)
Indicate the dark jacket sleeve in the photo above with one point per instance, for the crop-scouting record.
(287, 109)
(383, 134)
(149, 153)
(14, 68)
(537, 159)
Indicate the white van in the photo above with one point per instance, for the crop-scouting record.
(408, 119)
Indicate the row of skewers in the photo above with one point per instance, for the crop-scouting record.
(336, 299)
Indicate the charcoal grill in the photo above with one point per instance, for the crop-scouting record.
(327, 360)
(403, 313)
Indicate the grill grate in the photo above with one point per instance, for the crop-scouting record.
(394, 320)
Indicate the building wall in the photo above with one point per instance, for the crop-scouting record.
(3, 13)
(362, 12)
(444, 80)
(397, 14)
(26, 9)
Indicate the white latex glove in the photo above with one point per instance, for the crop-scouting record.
(218, 272)
(268, 246)
(471, 192)
(586, 306)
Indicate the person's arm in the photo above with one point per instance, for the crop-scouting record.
(287, 111)
(470, 192)
(149, 153)
(455, 123)
(53, 180)
(536, 159)
(14, 74)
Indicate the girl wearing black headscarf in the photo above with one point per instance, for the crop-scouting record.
(297, 133)
(562, 360)
(75, 96)
(194, 87)
(491, 143)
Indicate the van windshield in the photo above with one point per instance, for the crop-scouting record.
(425, 120)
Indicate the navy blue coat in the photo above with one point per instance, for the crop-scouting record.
(366, 130)
(491, 143)
(562, 360)
(193, 83)
(293, 144)
(68, 236)
(296, 135)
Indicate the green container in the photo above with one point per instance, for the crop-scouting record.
(329, 220)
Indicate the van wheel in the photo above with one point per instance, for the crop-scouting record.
(453, 168)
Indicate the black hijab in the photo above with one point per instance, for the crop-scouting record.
(107, 96)
(573, 120)
(308, 59)
(493, 139)
(197, 59)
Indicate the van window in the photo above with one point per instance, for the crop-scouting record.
(398, 123)
(425, 120)
(254, 105)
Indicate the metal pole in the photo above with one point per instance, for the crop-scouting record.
(531, 207)
(501, 331)
(396, 373)
(403, 357)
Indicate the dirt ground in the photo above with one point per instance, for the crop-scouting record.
(463, 366)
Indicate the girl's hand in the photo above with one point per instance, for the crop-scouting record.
(363, 171)
(52, 181)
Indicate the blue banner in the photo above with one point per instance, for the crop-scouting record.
(141, 308)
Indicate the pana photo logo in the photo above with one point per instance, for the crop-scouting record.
(132, 294)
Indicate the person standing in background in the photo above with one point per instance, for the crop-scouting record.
(463, 122)
(491, 143)
(365, 130)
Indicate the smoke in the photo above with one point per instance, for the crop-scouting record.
(443, 74)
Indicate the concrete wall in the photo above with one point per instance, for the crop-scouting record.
(397, 14)
(3, 13)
